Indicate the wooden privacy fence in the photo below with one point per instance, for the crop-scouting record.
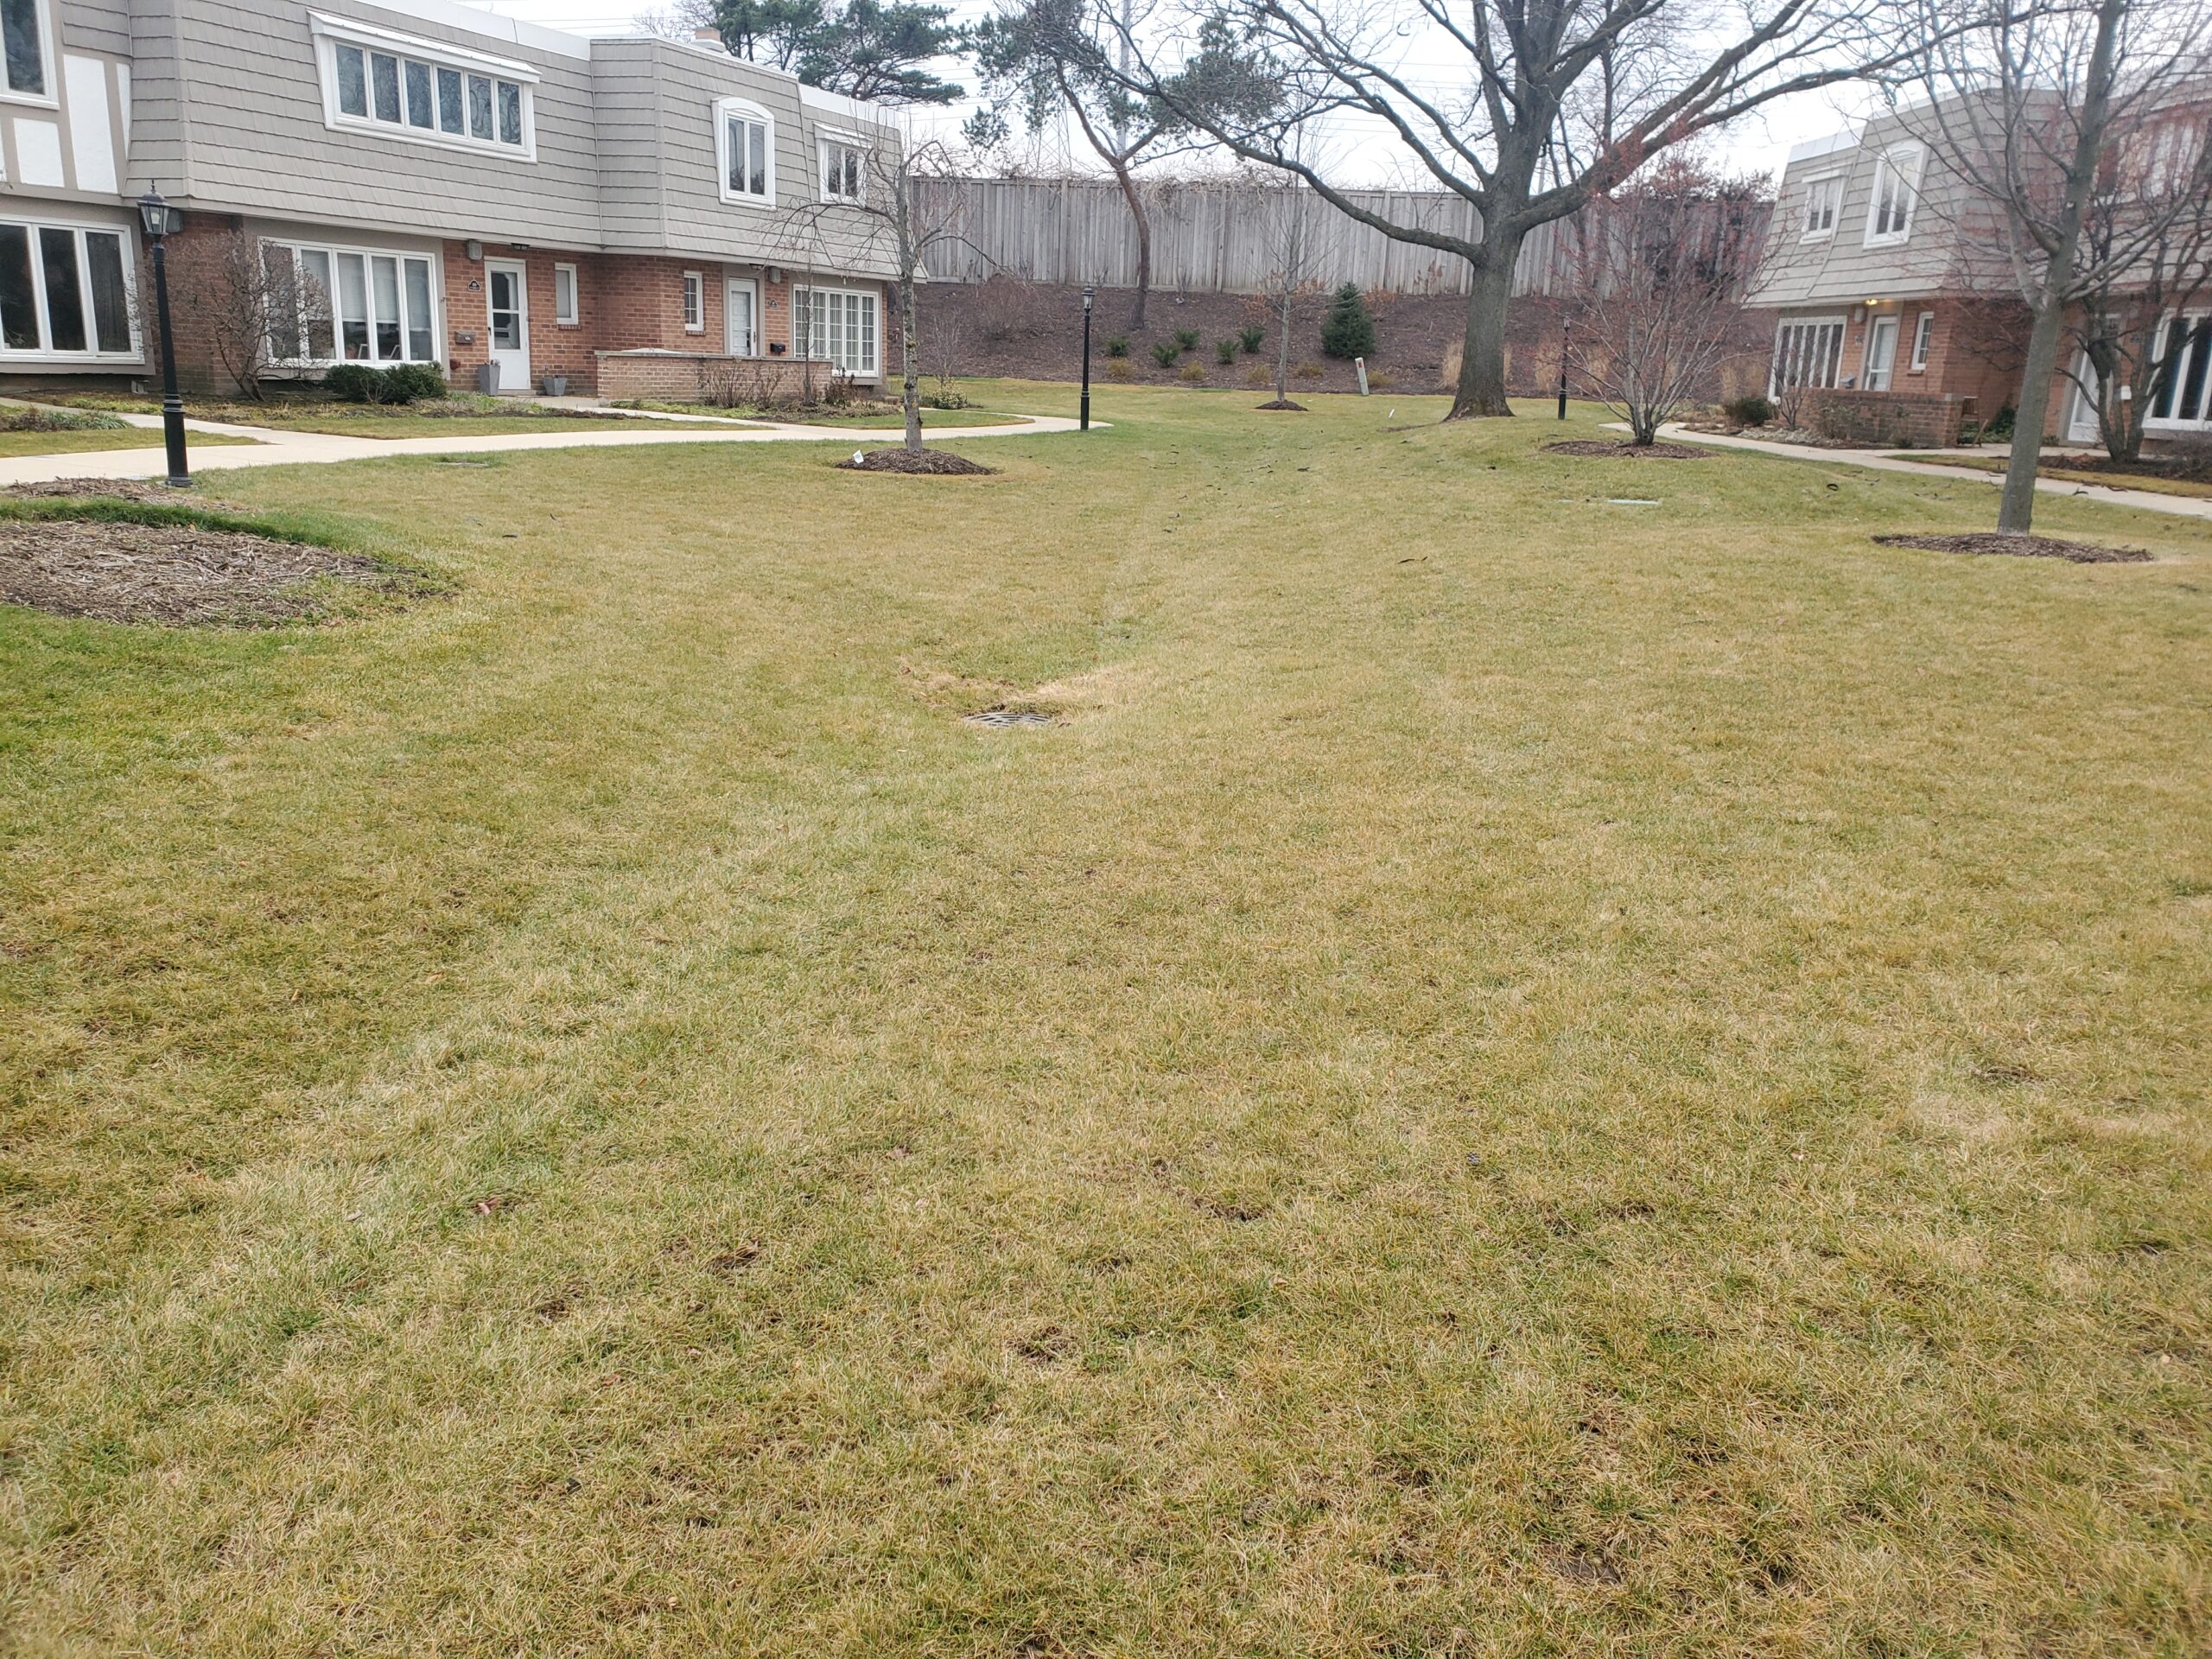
(1216, 237)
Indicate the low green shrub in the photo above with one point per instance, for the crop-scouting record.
(1117, 345)
(1225, 351)
(1348, 329)
(1251, 337)
(1186, 340)
(1753, 410)
(1165, 354)
(58, 420)
(403, 383)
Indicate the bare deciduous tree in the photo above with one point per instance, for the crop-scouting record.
(2031, 113)
(1545, 104)
(256, 313)
(1662, 265)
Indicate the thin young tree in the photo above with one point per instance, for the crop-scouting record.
(1040, 61)
(2030, 112)
(1290, 242)
(1662, 265)
(1542, 104)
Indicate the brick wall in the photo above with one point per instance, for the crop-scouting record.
(708, 376)
(1888, 420)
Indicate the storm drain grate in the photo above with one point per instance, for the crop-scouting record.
(999, 719)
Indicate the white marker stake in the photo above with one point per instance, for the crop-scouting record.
(1360, 363)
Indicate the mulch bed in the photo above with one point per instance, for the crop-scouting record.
(1611, 447)
(938, 461)
(2020, 547)
(175, 574)
(120, 489)
(1283, 402)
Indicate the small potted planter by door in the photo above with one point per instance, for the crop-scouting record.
(488, 377)
(557, 386)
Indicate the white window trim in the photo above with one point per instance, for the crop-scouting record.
(823, 137)
(329, 31)
(1866, 352)
(1814, 183)
(1781, 326)
(309, 245)
(745, 106)
(1906, 162)
(49, 46)
(1923, 335)
(694, 284)
(804, 347)
(575, 313)
(35, 223)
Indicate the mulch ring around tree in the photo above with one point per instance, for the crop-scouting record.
(118, 571)
(1283, 402)
(943, 462)
(1621, 447)
(2021, 547)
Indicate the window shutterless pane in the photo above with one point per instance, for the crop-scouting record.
(280, 268)
(353, 80)
(757, 138)
(384, 81)
(419, 346)
(449, 100)
(510, 113)
(64, 300)
(26, 50)
(315, 302)
(480, 107)
(2192, 389)
(111, 297)
(18, 298)
(565, 293)
(384, 271)
(421, 107)
(352, 306)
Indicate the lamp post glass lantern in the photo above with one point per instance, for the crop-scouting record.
(160, 221)
(1088, 295)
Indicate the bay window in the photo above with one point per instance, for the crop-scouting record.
(352, 305)
(65, 291)
(422, 90)
(1808, 351)
(838, 325)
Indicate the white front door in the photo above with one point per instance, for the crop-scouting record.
(741, 317)
(1881, 353)
(506, 288)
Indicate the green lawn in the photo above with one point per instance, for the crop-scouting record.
(1517, 1075)
(373, 420)
(70, 443)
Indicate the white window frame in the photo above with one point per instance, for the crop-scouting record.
(1823, 186)
(44, 351)
(1830, 361)
(2175, 421)
(827, 139)
(745, 108)
(695, 302)
(1923, 335)
(335, 251)
(567, 316)
(1902, 163)
(49, 65)
(1866, 352)
(804, 317)
(330, 32)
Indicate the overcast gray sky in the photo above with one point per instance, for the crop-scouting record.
(1363, 157)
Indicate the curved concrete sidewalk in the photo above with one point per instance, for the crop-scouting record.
(1881, 460)
(272, 447)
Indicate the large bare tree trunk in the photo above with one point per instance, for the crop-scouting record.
(1482, 360)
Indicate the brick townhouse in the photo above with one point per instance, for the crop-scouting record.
(426, 182)
(1898, 320)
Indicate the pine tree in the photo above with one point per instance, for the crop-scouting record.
(1348, 330)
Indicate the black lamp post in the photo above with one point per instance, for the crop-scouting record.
(161, 220)
(1565, 329)
(1089, 294)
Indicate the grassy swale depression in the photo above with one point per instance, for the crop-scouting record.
(1509, 1074)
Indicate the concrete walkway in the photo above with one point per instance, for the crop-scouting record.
(1881, 460)
(273, 447)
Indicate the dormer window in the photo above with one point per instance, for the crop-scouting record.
(1896, 187)
(422, 91)
(745, 142)
(1824, 204)
(844, 165)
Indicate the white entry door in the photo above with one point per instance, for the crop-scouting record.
(507, 288)
(741, 316)
(1881, 354)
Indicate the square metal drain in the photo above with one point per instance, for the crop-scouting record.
(999, 719)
